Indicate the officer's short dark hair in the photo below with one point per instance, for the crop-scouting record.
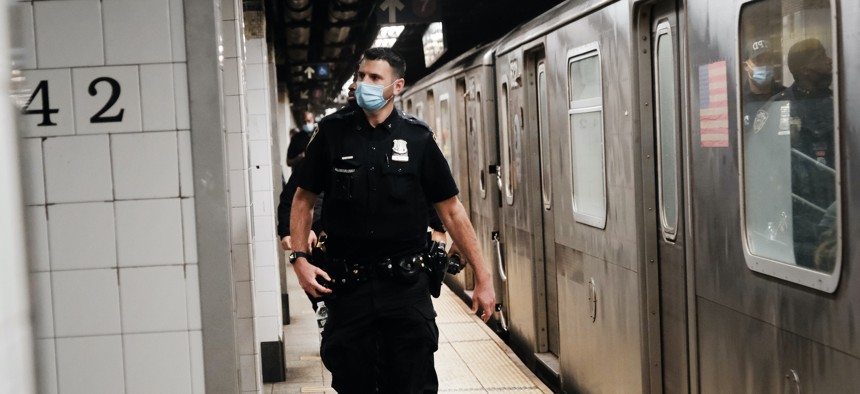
(389, 55)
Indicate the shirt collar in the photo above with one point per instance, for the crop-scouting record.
(390, 122)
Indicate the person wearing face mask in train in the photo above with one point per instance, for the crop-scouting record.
(759, 83)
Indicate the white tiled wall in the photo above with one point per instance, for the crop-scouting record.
(83, 235)
(158, 363)
(69, 34)
(77, 169)
(146, 165)
(144, 23)
(90, 364)
(110, 199)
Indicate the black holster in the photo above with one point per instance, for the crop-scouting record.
(437, 260)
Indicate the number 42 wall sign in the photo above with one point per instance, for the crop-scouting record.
(91, 100)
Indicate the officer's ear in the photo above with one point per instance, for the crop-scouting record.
(399, 84)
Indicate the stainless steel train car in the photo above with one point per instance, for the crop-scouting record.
(665, 191)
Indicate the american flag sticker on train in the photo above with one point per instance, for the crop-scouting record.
(713, 105)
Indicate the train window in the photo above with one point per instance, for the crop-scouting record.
(506, 148)
(543, 123)
(431, 111)
(419, 110)
(443, 133)
(586, 131)
(789, 141)
(667, 114)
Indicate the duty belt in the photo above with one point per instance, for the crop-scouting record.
(402, 270)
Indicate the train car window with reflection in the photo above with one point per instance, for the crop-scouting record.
(667, 115)
(789, 140)
(586, 136)
(507, 146)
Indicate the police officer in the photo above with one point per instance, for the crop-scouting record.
(379, 168)
(759, 85)
(803, 115)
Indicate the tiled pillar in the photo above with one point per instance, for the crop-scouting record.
(260, 119)
(16, 345)
(237, 126)
(110, 196)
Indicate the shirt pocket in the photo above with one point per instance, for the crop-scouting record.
(343, 182)
(400, 180)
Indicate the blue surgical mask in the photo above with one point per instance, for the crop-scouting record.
(762, 75)
(370, 96)
(308, 127)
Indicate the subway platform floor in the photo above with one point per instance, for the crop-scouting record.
(471, 358)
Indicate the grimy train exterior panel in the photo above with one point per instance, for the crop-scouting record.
(655, 219)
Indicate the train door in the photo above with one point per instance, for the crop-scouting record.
(480, 133)
(664, 187)
(465, 164)
(461, 143)
(548, 347)
(521, 221)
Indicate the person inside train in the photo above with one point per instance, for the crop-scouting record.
(379, 168)
(806, 114)
(759, 84)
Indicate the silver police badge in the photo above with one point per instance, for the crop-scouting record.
(400, 153)
(760, 120)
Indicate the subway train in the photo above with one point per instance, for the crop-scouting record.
(664, 191)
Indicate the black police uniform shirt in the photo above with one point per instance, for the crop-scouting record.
(297, 145)
(801, 121)
(378, 182)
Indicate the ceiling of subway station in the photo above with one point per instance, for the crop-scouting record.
(312, 38)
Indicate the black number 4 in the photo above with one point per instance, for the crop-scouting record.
(46, 110)
(114, 96)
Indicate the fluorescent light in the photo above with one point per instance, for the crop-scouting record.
(434, 43)
(388, 36)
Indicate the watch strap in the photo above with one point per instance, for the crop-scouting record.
(295, 256)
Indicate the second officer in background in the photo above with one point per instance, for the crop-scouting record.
(379, 168)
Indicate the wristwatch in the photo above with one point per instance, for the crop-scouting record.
(295, 256)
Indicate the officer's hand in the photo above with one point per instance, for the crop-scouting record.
(285, 243)
(484, 297)
(312, 239)
(438, 236)
(454, 250)
(307, 275)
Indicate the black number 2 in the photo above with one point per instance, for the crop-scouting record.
(114, 96)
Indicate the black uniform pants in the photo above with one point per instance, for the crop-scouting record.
(381, 336)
